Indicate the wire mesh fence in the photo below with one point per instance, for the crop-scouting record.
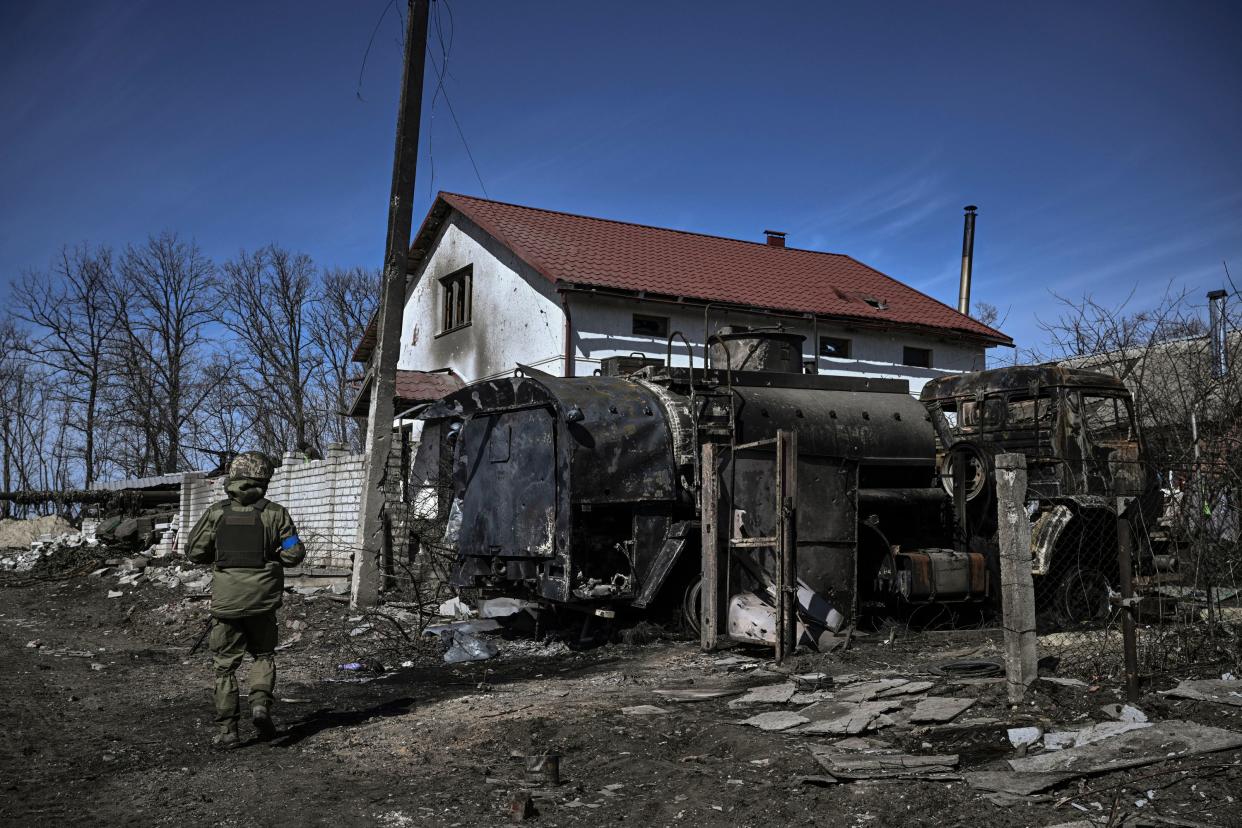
(1185, 566)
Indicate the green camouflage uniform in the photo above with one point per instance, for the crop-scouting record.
(244, 598)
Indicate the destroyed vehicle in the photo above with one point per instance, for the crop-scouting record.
(590, 491)
(587, 491)
(1086, 465)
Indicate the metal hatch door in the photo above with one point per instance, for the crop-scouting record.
(509, 506)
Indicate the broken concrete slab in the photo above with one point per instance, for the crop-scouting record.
(1124, 713)
(868, 690)
(1021, 737)
(939, 709)
(1142, 745)
(775, 720)
(844, 719)
(1013, 782)
(1210, 690)
(693, 694)
(845, 764)
(907, 689)
(767, 694)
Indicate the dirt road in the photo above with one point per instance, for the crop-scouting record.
(109, 722)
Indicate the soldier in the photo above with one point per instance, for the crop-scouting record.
(250, 540)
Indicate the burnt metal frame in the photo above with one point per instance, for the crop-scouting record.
(717, 557)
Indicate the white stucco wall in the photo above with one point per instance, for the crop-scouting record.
(517, 318)
(516, 312)
(603, 327)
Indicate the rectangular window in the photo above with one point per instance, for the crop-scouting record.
(916, 357)
(457, 301)
(834, 346)
(650, 326)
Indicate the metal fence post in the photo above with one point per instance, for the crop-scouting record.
(1017, 584)
(715, 555)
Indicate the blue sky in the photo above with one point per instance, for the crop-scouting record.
(1100, 140)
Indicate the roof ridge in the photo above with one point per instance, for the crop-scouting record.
(919, 292)
(443, 193)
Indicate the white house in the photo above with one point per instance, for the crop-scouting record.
(495, 285)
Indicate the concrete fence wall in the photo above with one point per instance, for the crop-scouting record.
(322, 496)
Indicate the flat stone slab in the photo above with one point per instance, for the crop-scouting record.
(768, 694)
(845, 719)
(1209, 690)
(845, 764)
(868, 690)
(939, 709)
(775, 720)
(644, 710)
(1012, 782)
(1142, 745)
(693, 694)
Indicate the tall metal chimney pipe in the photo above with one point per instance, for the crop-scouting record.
(1216, 323)
(968, 254)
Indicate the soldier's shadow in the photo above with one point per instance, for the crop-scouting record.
(327, 718)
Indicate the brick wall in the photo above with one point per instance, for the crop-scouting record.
(322, 496)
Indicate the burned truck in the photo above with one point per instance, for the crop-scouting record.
(589, 491)
(1086, 467)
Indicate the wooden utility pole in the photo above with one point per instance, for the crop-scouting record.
(368, 574)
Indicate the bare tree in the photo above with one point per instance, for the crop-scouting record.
(345, 303)
(265, 304)
(1189, 413)
(164, 307)
(72, 326)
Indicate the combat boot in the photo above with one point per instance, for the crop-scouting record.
(261, 718)
(226, 738)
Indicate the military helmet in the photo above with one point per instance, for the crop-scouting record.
(252, 464)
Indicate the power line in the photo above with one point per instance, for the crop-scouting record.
(363, 68)
(441, 73)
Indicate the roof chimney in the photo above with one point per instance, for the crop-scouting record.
(775, 238)
(1216, 310)
(968, 254)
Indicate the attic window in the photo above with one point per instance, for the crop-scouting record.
(457, 303)
(834, 346)
(650, 326)
(878, 304)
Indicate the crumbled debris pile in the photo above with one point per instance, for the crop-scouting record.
(20, 534)
(53, 556)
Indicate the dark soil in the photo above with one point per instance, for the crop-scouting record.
(110, 720)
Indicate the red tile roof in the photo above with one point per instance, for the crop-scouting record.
(425, 386)
(570, 249)
(413, 387)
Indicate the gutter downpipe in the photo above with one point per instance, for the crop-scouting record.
(567, 334)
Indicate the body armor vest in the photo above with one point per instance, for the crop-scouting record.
(241, 540)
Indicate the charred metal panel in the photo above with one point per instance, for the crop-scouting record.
(510, 496)
(620, 446)
(827, 518)
(879, 428)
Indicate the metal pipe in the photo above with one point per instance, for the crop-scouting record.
(968, 255)
(568, 336)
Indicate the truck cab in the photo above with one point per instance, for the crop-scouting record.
(1085, 468)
